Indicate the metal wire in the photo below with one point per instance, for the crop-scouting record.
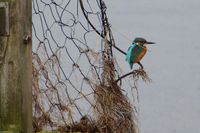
(68, 61)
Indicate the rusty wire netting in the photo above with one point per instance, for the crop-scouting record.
(75, 86)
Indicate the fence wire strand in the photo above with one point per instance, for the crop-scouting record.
(74, 70)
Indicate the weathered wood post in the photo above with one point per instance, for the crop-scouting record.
(15, 66)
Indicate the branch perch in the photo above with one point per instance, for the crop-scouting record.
(125, 75)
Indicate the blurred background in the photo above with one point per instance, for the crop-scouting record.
(170, 104)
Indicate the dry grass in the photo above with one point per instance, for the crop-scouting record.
(114, 113)
(141, 73)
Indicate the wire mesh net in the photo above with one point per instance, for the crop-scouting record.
(75, 86)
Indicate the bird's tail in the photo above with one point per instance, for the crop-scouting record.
(131, 65)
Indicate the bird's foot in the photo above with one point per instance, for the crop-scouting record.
(141, 66)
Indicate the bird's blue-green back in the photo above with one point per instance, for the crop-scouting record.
(133, 53)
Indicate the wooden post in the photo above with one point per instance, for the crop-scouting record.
(15, 67)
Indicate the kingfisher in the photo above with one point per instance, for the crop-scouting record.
(136, 51)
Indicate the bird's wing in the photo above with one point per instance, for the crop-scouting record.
(129, 55)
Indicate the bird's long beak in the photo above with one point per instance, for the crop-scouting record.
(150, 43)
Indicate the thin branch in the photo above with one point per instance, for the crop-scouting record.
(130, 73)
(125, 75)
(120, 78)
(117, 48)
(86, 17)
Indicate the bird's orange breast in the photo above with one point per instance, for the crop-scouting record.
(141, 55)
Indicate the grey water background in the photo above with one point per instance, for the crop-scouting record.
(170, 104)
